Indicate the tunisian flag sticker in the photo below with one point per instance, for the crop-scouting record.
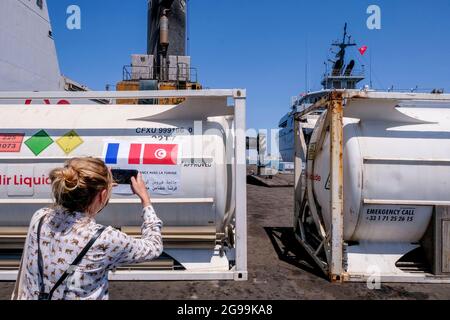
(162, 154)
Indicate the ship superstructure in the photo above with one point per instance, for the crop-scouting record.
(339, 74)
(166, 66)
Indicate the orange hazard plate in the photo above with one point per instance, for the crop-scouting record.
(11, 142)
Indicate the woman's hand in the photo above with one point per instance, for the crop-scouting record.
(140, 189)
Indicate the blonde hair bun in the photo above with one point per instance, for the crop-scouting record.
(67, 177)
(77, 184)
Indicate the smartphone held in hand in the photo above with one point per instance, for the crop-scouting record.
(122, 176)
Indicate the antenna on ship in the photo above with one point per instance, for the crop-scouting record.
(370, 57)
(188, 28)
(307, 65)
(342, 75)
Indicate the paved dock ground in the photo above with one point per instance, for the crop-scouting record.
(277, 181)
(278, 268)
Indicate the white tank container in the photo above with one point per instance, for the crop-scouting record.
(191, 155)
(396, 168)
(203, 188)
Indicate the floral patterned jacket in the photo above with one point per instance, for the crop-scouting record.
(64, 235)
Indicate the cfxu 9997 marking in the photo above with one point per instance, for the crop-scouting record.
(164, 131)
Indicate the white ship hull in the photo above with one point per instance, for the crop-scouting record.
(28, 60)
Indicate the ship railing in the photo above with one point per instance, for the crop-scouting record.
(296, 99)
(180, 73)
(355, 73)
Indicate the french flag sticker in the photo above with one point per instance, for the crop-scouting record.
(112, 153)
(138, 154)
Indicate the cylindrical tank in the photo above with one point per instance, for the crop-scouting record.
(183, 161)
(396, 169)
(177, 33)
(164, 30)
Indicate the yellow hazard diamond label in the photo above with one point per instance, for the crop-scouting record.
(69, 142)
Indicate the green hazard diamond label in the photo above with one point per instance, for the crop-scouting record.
(39, 142)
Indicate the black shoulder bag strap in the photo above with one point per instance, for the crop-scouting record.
(48, 296)
(40, 261)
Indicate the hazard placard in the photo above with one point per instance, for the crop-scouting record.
(11, 142)
(69, 142)
(39, 142)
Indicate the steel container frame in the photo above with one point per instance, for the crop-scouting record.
(332, 244)
(239, 271)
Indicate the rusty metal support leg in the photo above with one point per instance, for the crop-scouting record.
(300, 161)
(337, 187)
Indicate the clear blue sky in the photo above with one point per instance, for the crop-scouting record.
(261, 45)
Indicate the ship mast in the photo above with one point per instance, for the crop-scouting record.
(342, 75)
